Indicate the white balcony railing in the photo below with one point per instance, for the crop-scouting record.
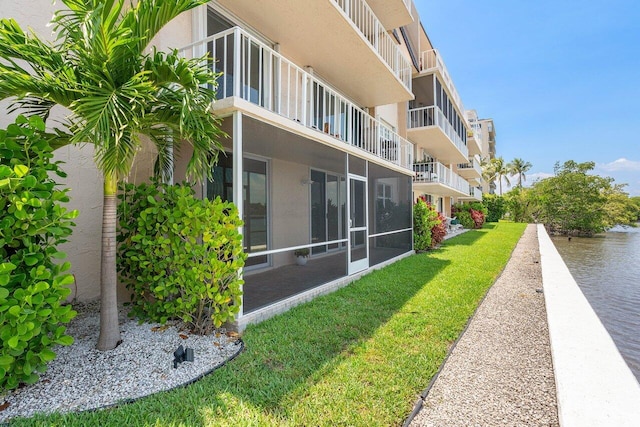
(431, 60)
(256, 73)
(477, 131)
(475, 192)
(360, 13)
(473, 164)
(433, 116)
(436, 172)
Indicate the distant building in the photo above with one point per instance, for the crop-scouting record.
(488, 133)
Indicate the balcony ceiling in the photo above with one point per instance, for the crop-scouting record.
(437, 144)
(438, 189)
(391, 13)
(469, 197)
(469, 174)
(474, 146)
(318, 34)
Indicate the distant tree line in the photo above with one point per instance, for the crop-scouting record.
(572, 202)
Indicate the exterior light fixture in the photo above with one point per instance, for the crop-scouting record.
(182, 355)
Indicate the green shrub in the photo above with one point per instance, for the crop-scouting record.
(33, 222)
(520, 205)
(495, 205)
(179, 255)
(425, 218)
(465, 219)
(470, 215)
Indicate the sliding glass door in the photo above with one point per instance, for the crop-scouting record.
(256, 203)
(328, 206)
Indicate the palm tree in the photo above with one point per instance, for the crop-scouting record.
(499, 171)
(98, 68)
(487, 171)
(519, 167)
(495, 169)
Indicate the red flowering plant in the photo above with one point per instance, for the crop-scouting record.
(439, 230)
(428, 226)
(470, 215)
(478, 218)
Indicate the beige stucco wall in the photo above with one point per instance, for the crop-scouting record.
(84, 180)
(388, 113)
(176, 34)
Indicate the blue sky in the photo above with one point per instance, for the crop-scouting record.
(561, 79)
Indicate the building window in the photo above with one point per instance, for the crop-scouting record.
(384, 195)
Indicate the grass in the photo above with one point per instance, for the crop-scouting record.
(359, 356)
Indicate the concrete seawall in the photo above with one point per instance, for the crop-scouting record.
(595, 387)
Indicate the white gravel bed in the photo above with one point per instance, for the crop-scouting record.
(500, 373)
(82, 377)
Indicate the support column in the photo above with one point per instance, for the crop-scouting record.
(238, 196)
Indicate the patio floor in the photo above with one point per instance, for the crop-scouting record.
(266, 287)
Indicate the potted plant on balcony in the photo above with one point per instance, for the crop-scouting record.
(301, 256)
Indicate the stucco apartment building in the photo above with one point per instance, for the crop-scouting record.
(339, 114)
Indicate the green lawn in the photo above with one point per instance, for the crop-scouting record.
(359, 356)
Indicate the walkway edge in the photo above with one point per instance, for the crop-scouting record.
(595, 387)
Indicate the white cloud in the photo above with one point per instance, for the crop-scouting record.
(538, 176)
(621, 164)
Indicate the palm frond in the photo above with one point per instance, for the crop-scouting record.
(118, 156)
(162, 137)
(147, 18)
(16, 44)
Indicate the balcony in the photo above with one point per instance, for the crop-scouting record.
(430, 129)
(474, 139)
(392, 13)
(471, 170)
(475, 194)
(431, 62)
(342, 40)
(436, 178)
(259, 76)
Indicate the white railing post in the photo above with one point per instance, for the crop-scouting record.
(237, 65)
(304, 100)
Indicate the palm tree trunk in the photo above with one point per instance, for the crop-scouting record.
(109, 328)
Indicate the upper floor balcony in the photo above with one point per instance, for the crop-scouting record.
(474, 139)
(342, 40)
(436, 178)
(430, 129)
(431, 62)
(470, 170)
(475, 194)
(393, 13)
(254, 73)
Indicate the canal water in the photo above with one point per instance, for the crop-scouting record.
(607, 269)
